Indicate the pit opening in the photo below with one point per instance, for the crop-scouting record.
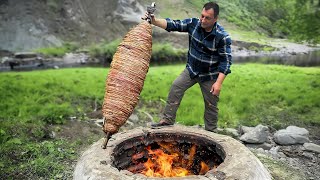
(186, 154)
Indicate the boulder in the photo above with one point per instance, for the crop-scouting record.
(298, 130)
(232, 131)
(24, 55)
(264, 146)
(291, 135)
(257, 135)
(245, 129)
(134, 118)
(312, 147)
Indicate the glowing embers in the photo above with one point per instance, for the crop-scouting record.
(177, 156)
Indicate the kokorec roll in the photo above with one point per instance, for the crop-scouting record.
(126, 77)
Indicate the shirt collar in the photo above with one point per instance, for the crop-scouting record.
(214, 30)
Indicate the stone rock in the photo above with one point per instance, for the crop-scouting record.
(25, 55)
(274, 150)
(260, 150)
(245, 129)
(312, 147)
(70, 58)
(220, 130)
(5, 59)
(264, 146)
(134, 118)
(129, 123)
(281, 155)
(308, 155)
(291, 135)
(298, 130)
(99, 122)
(257, 135)
(52, 135)
(232, 131)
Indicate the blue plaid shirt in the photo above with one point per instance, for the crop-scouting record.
(208, 54)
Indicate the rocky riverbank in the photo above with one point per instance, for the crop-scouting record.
(282, 53)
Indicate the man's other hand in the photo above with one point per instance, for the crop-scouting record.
(215, 89)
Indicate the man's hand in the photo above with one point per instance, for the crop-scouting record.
(215, 89)
(162, 23)
(146, 15)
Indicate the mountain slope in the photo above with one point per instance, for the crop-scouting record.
(27, 25)
(32, 24)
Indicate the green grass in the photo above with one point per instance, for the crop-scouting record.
(163, 53)
(106, 49)
(273, 95)
(270, 94)
(50, 95)
(248, 92)
(58, 51)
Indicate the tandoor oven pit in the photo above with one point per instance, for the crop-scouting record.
(177, 152)
(158, 154)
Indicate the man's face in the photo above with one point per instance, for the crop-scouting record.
(207, 19)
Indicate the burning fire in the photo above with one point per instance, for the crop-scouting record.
(161, 165)
(172, 163)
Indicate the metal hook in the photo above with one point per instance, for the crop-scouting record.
(151, 9)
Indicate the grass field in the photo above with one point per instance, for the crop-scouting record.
(249, 95)
(269, 94)
(273, 95)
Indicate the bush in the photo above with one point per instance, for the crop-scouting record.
(58, 51)
(166, 53)
(104, 50)
(161, 53)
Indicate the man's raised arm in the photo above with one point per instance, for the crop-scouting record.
(162, 23)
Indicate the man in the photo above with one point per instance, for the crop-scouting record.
(209, 61)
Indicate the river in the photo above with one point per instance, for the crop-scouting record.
(309, 59)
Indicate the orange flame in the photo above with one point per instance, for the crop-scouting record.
(204, 168)
(161, 165)
(169, 161)
(192, 152)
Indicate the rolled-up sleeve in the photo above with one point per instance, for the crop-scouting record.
(225, 57)
(178, 25)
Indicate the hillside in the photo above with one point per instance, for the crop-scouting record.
(27, 25)
(32, 24)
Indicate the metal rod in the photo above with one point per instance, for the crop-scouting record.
(106, 139)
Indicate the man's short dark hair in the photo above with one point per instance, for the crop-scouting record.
(214, 6)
